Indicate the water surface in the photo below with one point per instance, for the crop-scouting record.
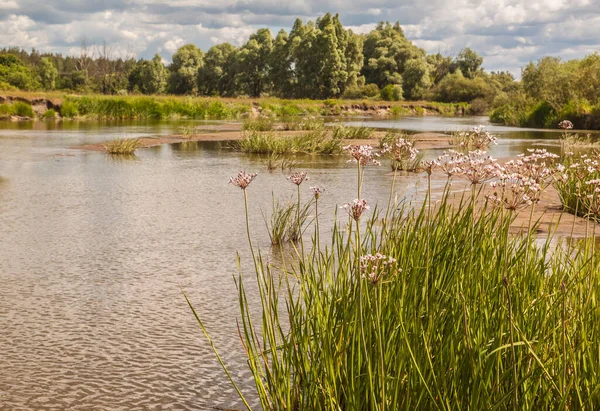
(95, 253)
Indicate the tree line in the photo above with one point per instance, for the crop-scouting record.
(320, 60)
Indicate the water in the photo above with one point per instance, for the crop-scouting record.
(95, 253)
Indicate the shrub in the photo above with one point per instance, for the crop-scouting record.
(49, 114)
(69, 109)
(23, 109)
(7, 109)
(391, 92)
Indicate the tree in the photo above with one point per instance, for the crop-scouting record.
(440, 67)
(253, 62)
(187, 60)
(415, 79)
(281, 74)
(48, 73)
(469, 62)
(149, 76)
(15, 74)
(386, 52)
(217, 75)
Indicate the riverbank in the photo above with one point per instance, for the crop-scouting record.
(169, 107)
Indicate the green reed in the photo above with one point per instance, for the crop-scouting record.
(352, 132)
(426, 309)
(310, 142)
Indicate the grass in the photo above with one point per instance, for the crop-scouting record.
(425, 307)
(311, 142)
(352, 132)
(579, 185)
(283, 224)
(259, 124)
(122, 146)
(49, 114)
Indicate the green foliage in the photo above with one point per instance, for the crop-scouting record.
(14, 73)
(187, 60)
(358, 92)
(425, 308)
(48, 73)
(69, 109)
(352, 132)
(391, 92)
(151, 108)
(150, 76)
(216, 77)
(469, 63)
(49, 114)
(458, 88)
(386, 53)
(415, 79)
(7, 110)
(259, 124)
(253, 59)
(311, 142)
(578, 184)
(22, 109)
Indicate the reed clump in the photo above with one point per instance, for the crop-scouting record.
(124, 146)
(311, 142)
(428, 306)
(352, 132)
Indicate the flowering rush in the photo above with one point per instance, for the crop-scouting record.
(242, 180)
(565, 125)
(363, 155)
(375, 267)
(317, 191)
(298, 178)
(356, 208)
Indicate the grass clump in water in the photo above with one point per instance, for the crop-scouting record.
(312, 142)
(259, 124)
(122, 146)
(352, 132)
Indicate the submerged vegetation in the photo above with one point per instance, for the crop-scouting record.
(428, 305)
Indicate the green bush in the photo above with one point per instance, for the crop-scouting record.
(391, 92)
(49, 114)
(7, 110)
(23, 109)
(69, 109)
(542, 115)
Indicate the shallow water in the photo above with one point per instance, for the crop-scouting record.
(95, 253)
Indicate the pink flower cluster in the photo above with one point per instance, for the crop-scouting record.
(477, 138)
(375, 267)
(298, 177)
(356, 208)
(364, 155)
(476, 166)
(401, 150)
(242, 180)
(565, 125)
(317, 191)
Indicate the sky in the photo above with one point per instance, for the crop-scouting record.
(508, 33)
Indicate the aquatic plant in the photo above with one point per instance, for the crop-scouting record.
(403, 154)
(426, 309)
(477, 138)
(311, 142)
(577, 185)
(352, 132)
(125, 146)
(258, 124)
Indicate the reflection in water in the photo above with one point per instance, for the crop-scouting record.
(97, 250)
